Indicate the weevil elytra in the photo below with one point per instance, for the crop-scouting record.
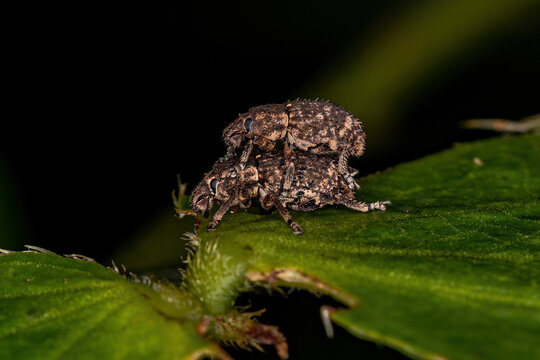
(303, 182)
(314, 126)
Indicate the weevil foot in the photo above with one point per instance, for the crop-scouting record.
(379, 205)
(297, 230)
(212, 226)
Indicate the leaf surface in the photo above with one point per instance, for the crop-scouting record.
(53, 307)
(450, 270)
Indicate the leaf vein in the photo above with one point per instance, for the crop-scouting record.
(55, 292)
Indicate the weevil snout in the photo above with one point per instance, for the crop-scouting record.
(202, 200)
(236, 138)
(202, 205)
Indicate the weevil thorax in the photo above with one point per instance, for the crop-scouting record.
(263, 124)
(232, 180)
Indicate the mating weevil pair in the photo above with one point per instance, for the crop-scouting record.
(317, 127)
(310, 172)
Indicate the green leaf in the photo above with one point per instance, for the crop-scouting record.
(451, 269)
(52, 307)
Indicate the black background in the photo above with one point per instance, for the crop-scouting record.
(107, 103)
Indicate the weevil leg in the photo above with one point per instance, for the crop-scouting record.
(343, 169)
(288, 176)
(245, 204)
(265, 200)
(234, 209)
(363, 207)
(287, 151)
(197, 223)
(219, 214)
(353, 171)
(231, 153)
(287, 217)
(245, 154)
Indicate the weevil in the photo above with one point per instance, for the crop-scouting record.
(314, 126)
(302, 182)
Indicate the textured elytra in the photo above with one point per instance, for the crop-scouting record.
(303, 182)
(314, 126)
(321, 127)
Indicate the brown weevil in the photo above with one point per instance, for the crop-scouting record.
(303, 182)
(314, 126)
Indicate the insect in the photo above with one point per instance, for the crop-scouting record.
(315, 126)
(303, 182)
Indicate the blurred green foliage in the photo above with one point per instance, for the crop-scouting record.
(158, 244)
(430, 40)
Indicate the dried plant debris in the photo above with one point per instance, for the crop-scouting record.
(525, 125)
(37, 249)
(244, 331)
(314, 126)
(180, 201)
(303, 182)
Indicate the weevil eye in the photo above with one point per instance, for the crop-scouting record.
(247, 124)
(213, 185)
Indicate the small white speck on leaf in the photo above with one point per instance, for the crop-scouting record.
(478, 162)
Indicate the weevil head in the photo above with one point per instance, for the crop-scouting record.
(226, 180)
(264, 124)
(213, 187)
(203, 196)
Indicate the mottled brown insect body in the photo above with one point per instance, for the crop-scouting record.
(303, 182)
(321, 127)
(315, 126)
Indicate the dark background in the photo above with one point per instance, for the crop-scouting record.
(107, 103)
